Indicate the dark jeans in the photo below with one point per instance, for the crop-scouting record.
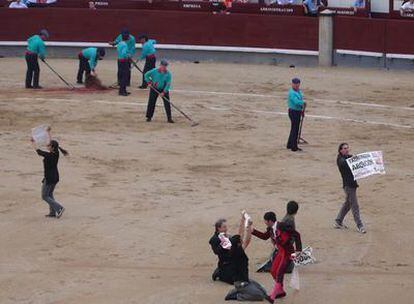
(294, 117)
(128, 74)
(47, 196)
(83, 68)
(149, 65)
(153, 95)
(123, 72)
(33, 70)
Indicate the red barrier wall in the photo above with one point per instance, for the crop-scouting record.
(399, 37)
(244, 30)
(359, 34)
(374, 35)
(201, 28)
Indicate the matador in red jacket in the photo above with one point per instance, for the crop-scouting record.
(286, 236)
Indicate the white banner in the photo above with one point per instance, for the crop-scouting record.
(304, 257)
(366, 164)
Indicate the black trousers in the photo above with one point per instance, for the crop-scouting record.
(128, 75)
(83, 68)
(123, 72)
(149, 65)
(152, 100)
(33, 70)
(295, 117)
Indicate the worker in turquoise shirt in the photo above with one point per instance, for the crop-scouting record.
(88, 59)
(35, 49)
(148, 52)
(124, 63)
(159, 80)
(131, 48)
(296, 106)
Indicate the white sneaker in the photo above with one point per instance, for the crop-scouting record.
(60, 212)
(339, 225)
(361, 230)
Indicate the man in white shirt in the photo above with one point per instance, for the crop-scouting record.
(17, 4)
(407, 7)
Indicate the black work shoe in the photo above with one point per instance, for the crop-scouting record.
(29, 87)
(38, 87)
(171, 121)
(79, 82)
(142, 87)
(296, 149)
(149, 119)
(124, 94)
(50, 215)
(60, 212)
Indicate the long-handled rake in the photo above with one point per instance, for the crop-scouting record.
(193, 123)
(300, 139)
(58, 75)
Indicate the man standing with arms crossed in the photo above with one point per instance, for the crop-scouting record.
(350, 186)
(130, 42)
(296, 106)
(148, 52)
(35, 49)
(124, 61)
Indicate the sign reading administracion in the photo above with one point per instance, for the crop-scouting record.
(366, 164)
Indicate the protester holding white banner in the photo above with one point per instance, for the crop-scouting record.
(350, 187)
(366, 164)
(41, 138)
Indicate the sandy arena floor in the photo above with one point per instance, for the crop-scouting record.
(141, 197)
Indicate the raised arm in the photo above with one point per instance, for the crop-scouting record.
(38, 151)
(241, 226)
(261, 235)
(246, 242)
